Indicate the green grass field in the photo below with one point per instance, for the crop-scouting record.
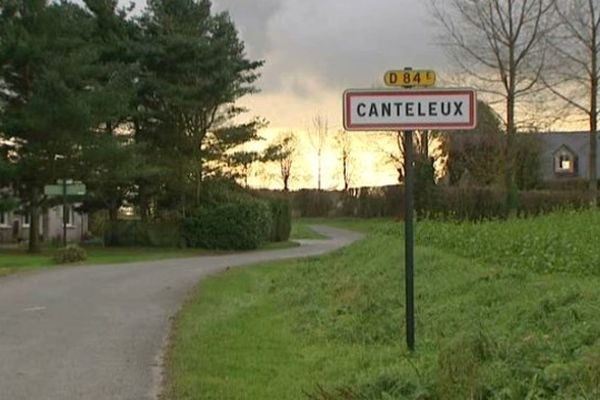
(505, 310)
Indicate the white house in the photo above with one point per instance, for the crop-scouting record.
(14, 226)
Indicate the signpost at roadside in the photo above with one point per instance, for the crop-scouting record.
(64, 188)
(406, 109)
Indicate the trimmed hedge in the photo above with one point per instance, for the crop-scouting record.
(140, 233)
(231, 226)
(536, 202)
(313, 203)
(472, 203)
(281, 226)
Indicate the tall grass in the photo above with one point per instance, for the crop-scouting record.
(488, 325)
(566, 241)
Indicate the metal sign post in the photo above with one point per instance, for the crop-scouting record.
(65, 219)
(409, 239)
(409, 77)
(408, 109)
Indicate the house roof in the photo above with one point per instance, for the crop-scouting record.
(563, 148)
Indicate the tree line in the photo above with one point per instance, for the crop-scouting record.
(139, 107)
(519, 51)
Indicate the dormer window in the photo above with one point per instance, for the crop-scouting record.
(565, 161)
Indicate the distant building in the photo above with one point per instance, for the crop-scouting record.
(14, 226)
(565, 155)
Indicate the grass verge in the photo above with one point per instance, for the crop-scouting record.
(301, 230)
(15, 260)
(332, 328)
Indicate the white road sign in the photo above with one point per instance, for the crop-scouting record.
(406, 109)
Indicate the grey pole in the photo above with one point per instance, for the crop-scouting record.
(64, 212)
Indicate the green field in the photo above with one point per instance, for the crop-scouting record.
(505, 310)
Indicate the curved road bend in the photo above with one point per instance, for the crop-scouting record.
(97, 332)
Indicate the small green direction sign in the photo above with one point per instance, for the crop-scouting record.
(73, 189)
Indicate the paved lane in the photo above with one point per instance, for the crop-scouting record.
(97, 332)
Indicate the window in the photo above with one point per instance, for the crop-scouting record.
(26, 219)
(4, 219)
(565, 162)
(70, 216)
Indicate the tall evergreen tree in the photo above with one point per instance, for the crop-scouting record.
(194, 69)
(43, 70)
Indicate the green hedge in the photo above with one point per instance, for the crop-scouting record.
(140, 233)
(313, 203)
(282, 220)
(473, 203)
(230, 226)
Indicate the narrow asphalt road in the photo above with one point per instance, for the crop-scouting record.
(98, 332)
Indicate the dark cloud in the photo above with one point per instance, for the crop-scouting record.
(252, 20)
(314, 49)
(338, 43)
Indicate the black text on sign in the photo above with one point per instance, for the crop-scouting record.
(447, 109)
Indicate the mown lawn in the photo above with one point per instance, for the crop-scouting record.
(301, 229)
(15, 260)
(488, 326)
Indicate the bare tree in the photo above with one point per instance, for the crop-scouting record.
(575, 72)
(502, 46)
(287, 143)
(317, 135)
(345, 147)
(423, 141)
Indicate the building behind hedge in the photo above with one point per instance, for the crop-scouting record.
(14, 226)
(565, 156)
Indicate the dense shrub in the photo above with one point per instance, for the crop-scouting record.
(380, 202)
(314, 203)
(141, 233)
(536, 202)
(282, 220)
(528, 166)
(70, 254)
(98, 222)
(230, 226)
(472, 204)
(486, 203)
(576, 184)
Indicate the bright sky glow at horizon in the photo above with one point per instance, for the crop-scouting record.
(314, 50)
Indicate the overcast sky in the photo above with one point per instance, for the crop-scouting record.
(314, 49)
